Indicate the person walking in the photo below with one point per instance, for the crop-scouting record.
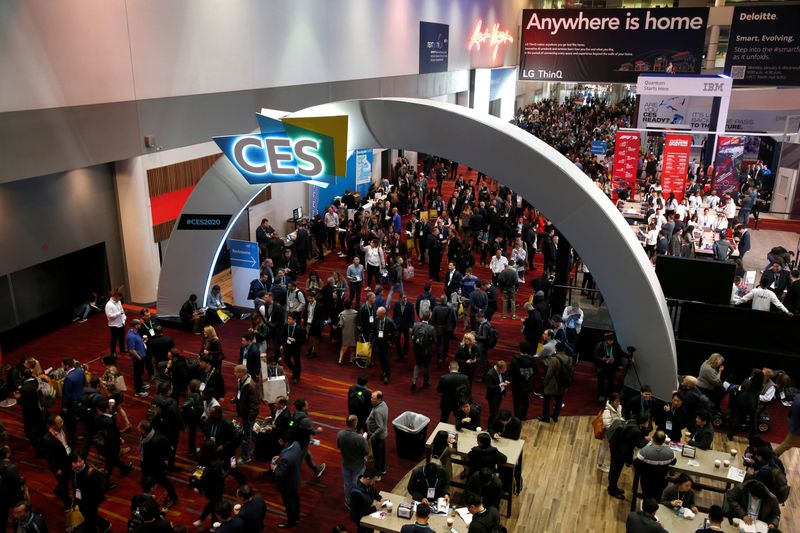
(88, 491)
(556, 384)
(354, 450)
(154, 453)
(378, 430)
(382, 335)
(453, 386)
(286, 467)
(496, 385)
(423, 338)
(247, 404)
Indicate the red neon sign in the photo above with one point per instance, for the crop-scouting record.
(496, 37)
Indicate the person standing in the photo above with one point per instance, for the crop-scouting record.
(622, 443)
(88, 489)
(263, 232)
(26, 521)
(154, 452)
(792, 298)
(607, 357)
(253, 510)
(250, 356)
(521, 374)
(56, 449)
(403, 318)
(378, 430)
(137, 353)
(454, 387)
(347, 323)
(443, 319)
(507, 280)
(294, 337)
(355, 277)
(331, 227)
(286, 467)
(423, 338)
(108, 440)
(554, 384)
(116, 322)
(354, 450)
(496, 385)
(32, 413)
(452, 280)
(434, 245)
(653, 463)
(246, 402)
(382, 335)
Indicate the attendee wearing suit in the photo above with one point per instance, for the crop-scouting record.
(468, 415)
(508, 426)
(294, 336)
(443, 319)
(250, 356)
(90, 484)
(403, 317)
(452, 280)
(744, 240)
(454, 387)
(56, 450)
(286, 467)
(254, 508)
(777, 279)
(496, 385)
(155, 451)
(107, 438)
(792, 299)
(74, 382)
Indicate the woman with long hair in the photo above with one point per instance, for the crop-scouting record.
(114, 383)
(468, 356)
(212, 347)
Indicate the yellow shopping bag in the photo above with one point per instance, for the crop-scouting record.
(72, 519)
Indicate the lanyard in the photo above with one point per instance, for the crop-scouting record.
(209, 373)
(214, 430)
(381, 324)
(293, 328)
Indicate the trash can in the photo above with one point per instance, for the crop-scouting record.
(410, 431)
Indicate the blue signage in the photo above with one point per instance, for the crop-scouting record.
(599, 148)
(434, 47)
(244, 254)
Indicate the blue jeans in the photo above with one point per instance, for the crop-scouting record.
(350, 477)
(247, 437)
(399, 287)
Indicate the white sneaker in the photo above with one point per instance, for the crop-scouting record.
(146, 386)
(197, 524)
(603, 468)
(142, 394)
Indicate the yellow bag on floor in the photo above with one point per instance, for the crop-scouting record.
(364, 350)
(223, 315)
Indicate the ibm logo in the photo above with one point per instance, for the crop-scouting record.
(713, 87)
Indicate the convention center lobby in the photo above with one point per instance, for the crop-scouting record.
(455, 266)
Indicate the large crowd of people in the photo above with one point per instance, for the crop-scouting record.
(365, 313)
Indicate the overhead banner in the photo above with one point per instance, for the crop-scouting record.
(434, 47)
(764, 45)
(610, 45)
(728, 165)
(675, 167)
(626, 160)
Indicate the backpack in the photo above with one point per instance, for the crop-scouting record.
(47, 394)
(424, 305)
(565, 375)
(491, 337)
(423, 340)
(615, 430)
(780, 487)
(357, 400)
(526, 373)
(155, 417)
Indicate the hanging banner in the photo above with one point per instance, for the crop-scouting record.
(610, 45)
(675, 166)
(626, 160)
(764, 45)
(730, 152)
(244, 269)
(434, 47)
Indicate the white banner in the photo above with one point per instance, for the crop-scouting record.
(684, 85)
(244, 269)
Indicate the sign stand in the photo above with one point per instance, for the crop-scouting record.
(244, 269)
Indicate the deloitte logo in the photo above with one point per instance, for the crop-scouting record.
(312, 149)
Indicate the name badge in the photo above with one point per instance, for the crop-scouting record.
(238, 395)
(431, 492)
(371, 319)
(380, 334)
(420, 233)
(668, 425)
(202, 387)
(77, 494)
(152, 332)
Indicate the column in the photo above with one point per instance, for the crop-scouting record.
(140, 253)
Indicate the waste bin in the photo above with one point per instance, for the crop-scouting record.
(410, 431)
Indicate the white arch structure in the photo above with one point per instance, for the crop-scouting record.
(509, 154)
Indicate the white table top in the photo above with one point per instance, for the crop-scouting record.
(468, 439)
(390, 523)
(676, 524)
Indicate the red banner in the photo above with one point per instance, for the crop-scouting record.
(626, 160)
(675, 165)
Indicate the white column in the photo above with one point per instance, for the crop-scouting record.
(140, 253)
(713, 42)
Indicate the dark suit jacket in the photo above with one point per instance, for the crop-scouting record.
(474, 416)
(389, 330)
(744, 243)
(493, 390)
(213, 380)
(287, 470)
(792, 298)
(253, 359)
(91, 482)
(443, 318)
(452, 386)
(736, 504)
(155, 454)
(454, 284)
(403, 318)
(55, 453)
(72, 388)
(781, 280)
(364, 313)
(253, 513)
(512, 430)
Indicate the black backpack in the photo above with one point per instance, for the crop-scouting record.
(491, 336)
(422, 338)
(565, 375)
(527, 372)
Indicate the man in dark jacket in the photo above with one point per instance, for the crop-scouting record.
(496, 385)
(487, 485)
(428, 483)
(250, 356)
(169, 423)
(254, 508)
(607, 357)
(382, 331)
(294, 336)
(484, 455)
(484, 519)
(644, 521)
(703, 435)
(468, 414)
(246, 402)
(652, 463)
(622, 444)
(434, 245)
(286, 467)
(521, 373)
(211, 378)
(363, 498)
(752, 493)
(155, 452)
(55, 446)
(452, 280)
(304, 430)
(403, 317)
(108, 440)
(423, 338)
(454, 387)
(32, 414)
(443, 319)
(359, 401)
(90, 484)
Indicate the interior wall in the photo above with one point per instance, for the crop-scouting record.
(50, 216)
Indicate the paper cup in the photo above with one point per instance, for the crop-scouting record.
(450, 521)
(726, 463)
(734, 451)
(478, 429)
(717, 463)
